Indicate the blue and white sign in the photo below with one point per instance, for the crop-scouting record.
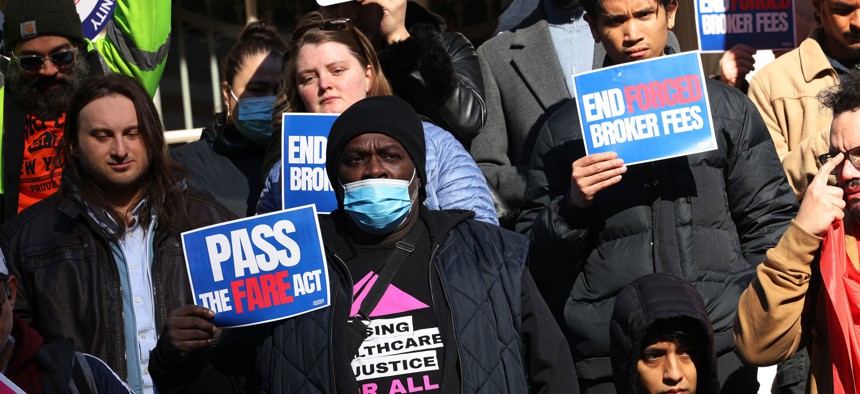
(647, 110)
(258, 269)
(95, 14)
(304, 180)
(761, 24)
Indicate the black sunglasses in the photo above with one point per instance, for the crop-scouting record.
(33, 63)
(329, 25)
(852, 156)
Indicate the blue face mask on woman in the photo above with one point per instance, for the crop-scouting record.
(378, 205)
(254, 118)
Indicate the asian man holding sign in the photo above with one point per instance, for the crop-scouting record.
(598, 224)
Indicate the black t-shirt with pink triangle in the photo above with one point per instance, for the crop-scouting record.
(405, 351)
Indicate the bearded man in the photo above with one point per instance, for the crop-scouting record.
(50, 60)
(787, 307)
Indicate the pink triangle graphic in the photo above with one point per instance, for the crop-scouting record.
(393, 300)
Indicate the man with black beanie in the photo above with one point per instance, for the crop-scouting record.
(50, 58)
(456, 309)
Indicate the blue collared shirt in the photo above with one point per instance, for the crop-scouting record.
(133, 256)
(572, 39)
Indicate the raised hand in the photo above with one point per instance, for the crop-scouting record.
(392, 27)
(736, 63)
(822, 203)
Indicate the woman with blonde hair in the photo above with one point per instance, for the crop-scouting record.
(332, 66)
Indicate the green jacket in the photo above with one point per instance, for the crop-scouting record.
(135, 43)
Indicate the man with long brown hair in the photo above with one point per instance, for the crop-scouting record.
(101, 261)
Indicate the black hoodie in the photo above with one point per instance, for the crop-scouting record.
(638, 306)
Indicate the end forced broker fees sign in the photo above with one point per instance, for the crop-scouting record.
(761, 24)
(304, 179)
(647, 110)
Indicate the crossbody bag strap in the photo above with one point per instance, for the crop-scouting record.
(356, 331)
(401, 252)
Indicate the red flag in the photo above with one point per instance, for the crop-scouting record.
(842, 282)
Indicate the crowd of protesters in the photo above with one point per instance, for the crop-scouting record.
(467, 208)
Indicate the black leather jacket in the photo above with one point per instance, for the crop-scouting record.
(68, 281)
(437, 71)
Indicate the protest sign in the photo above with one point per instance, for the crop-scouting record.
(647, 110)
(303, 151)
(761, 24)
(258, 269)
(326, 3)
(7, 387)
(94, 14)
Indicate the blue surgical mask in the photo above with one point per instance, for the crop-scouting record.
(254, 118)
(379, 205)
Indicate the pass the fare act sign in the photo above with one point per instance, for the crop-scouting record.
(258, 269)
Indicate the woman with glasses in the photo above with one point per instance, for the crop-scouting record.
(227, 162)
(332, 67)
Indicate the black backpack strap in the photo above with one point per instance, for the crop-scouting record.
(82, 376)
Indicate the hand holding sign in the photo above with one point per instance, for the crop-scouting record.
(592, 174)
(646, 110)
(822, 204)
(736, 63)
(190, 328)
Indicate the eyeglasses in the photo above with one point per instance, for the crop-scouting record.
(33, 63)
(329, 25)
(853, 156)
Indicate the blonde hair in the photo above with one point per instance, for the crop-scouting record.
(355, 41)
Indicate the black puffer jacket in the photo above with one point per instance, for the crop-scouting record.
(224, 165)
(68, 280)
(708, 218)
(437, 72)
(646, 301)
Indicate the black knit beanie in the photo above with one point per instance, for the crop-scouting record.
(387, 115)
(26, 19)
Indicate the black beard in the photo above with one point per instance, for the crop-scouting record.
(853, 205)
(567, 5)
(31, 96)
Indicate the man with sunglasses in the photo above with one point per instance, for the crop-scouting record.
(49, 59)
(784, 309)
(34, 366)
(785, 90)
